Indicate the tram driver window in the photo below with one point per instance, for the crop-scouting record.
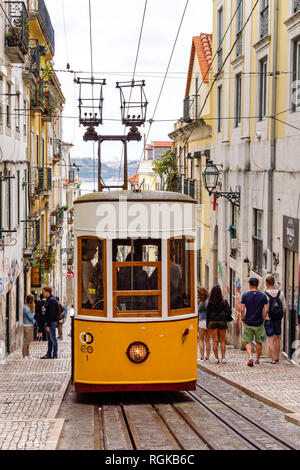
(180, 274)
(136, 268)
(92, 269)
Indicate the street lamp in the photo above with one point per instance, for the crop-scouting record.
(210, 178)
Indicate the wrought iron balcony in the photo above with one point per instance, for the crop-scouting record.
(37, 8)
(16, 31)
(49, 179)
(37, 96)
(191, 106)
(32, 62)
(57, 149)
(51, 101)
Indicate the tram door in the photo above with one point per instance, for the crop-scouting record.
(7, 312)
(291, 295)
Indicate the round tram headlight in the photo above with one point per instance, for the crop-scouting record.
(137, 352)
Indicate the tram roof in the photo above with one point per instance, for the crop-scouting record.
(142, 196)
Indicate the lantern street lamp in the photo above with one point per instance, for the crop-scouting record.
(210, 178)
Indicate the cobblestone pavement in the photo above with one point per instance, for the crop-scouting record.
(31, 392)
(278, 384)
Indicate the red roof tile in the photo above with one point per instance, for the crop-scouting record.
(202, 47)
(162, 144)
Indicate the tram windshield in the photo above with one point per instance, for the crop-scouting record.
(92, 274)
(136, 275)
(181, 275)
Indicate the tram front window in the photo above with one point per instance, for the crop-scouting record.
(136, 268)
(180, 275)
(92, 269)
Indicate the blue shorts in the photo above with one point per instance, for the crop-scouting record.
(273, 328)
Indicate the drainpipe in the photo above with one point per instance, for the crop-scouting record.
(272, 143)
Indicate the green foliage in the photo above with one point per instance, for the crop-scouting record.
(166, 167)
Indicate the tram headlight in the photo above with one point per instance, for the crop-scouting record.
(137, 352)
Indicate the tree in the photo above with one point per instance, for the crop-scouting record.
(166, 168)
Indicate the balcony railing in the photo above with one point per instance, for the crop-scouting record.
(32, 62)
(191, 106)
(16, 31)
(31, 236)
(39, 9)
(49, 179)
(37, 96)
(51, 101)
(57, 149)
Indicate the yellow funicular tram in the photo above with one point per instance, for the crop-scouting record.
(135, 322)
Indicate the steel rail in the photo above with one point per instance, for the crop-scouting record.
(254, 423)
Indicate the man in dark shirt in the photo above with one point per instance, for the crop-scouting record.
(51, 323)
(254, 310)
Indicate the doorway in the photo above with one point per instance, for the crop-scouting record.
(291, 283)
(7, 316)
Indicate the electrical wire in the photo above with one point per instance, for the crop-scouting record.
(164, 80)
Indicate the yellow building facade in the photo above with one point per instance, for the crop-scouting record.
(255, 106)
(192, 143)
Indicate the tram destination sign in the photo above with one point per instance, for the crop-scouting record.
(291, 233)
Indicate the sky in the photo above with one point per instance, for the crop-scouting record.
(116, 26)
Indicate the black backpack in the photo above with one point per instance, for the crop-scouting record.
(275, 307)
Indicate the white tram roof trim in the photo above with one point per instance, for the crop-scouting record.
(135, 196)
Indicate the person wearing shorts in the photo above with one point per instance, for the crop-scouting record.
(204, 337)
(254, 310)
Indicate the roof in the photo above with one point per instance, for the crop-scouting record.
(202, 47)
(142, 196)
(158, 144)
(134, 178)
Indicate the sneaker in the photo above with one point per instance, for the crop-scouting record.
(277, 361)
(257, 362)
(206, 358)
(45, 357)
(25, 357)
(217, 361)
(224, 361)
(250, 363)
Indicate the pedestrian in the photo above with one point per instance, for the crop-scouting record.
(28, 321)
(204, 337)
(217, 316)
(254, 310)
(61, 320)
(51, 323)
(40, 318)
(277, 310)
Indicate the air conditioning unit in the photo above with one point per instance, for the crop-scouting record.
(234, 244)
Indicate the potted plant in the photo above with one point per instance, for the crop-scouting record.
(12, 36)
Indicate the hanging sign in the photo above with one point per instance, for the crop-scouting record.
(291, 234)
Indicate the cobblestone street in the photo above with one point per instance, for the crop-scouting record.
(31, 392)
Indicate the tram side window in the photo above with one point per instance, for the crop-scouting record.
(180, 274)
(136, 267)
(92, 274)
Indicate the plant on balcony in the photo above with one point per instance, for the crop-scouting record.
(47, 73)
(166, 167)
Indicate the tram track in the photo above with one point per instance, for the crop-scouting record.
(199, 420)
(273, 441)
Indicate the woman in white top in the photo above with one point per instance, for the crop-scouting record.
(28, 320)
(204, 336)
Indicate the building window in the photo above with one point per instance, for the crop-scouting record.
(238, 99)
(263, 96)
(296, 5)
(220, 38)
(264, 18)
(296, 75)
(239, 27)
(25, 118)
(18, 197)
(1, 101)
(220, 111)
(258, 242)
(8, 105)
(233, 231)
(17, 111)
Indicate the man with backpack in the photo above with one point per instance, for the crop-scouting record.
(51, 320)
(277, 310)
